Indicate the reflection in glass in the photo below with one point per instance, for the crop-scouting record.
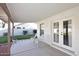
(67, 37)
(41, 29)
(56, 32)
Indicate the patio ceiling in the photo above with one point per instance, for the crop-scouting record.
(33, 12)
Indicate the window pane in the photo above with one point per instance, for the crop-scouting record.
(56, 32)
(18, 27)
(67, 37)
(41, 29)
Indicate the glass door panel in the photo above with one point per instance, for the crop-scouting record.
(56, 32)
(67, 37)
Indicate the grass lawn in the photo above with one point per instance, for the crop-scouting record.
(18, 37)
(3, 39)
(22, 37)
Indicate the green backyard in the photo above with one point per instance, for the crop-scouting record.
(18, 37)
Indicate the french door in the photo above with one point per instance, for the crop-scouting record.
(62, 32)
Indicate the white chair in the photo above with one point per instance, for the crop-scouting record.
(35, 40)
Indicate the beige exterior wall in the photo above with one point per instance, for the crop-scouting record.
(72, 14)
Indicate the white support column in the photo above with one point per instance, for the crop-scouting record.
(12, 30)
(9, 31)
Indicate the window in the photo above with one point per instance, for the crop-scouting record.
(18, 27)
(23, 27)
(41, 29)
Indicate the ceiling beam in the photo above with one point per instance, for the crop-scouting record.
(4, 7)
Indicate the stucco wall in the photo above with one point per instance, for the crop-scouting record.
(72, 14)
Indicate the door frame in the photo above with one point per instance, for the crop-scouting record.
(60, 37)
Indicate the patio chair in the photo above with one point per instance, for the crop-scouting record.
(35, 39)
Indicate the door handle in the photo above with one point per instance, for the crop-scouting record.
(61, 33)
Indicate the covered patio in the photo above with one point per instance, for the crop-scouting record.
(30, 48)
(57, 28)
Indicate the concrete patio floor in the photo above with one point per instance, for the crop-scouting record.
(29, 48)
